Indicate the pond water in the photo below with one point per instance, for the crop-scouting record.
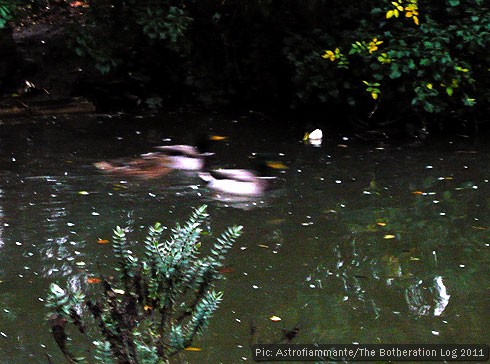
(360, 242)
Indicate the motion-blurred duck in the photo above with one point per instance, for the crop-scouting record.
(166, 159)
(244, 182)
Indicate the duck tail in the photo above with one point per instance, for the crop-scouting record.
(104, 166)
(205, 176)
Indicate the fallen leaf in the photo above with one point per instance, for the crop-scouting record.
(417, 193)
(84, 193)
(119, 291)
(275, 318)
(389, 236)
(93, 280)
(191, 348)
(80, 264)
(277, 165)
(381, 223)
(414, 258)
(226, 270)
(275, 221)
(218, 137)
(263, 246)
(147, 308)
(102, 241)
(479, 227)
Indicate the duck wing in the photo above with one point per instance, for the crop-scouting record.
(179, 150)
(243, 175)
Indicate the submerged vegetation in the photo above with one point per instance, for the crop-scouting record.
(156, 304)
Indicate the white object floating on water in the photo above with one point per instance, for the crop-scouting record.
(316, 134)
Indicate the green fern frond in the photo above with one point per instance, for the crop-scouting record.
(176, 338)
(103, 353)
(203, 311)
(152, 244)
(225, 242)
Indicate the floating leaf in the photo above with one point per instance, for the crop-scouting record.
(226, 270)
(277, 165)
(218, 137)
(389, 236)
(417, 193)
(102, 241)
(93, 280)
(381, 223)
(192, 348)
(275, 318)
(263, 246)
(275, 221)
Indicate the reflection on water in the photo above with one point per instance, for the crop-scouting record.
(358, 242)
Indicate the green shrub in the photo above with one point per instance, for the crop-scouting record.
(157, 304)
(430, 60)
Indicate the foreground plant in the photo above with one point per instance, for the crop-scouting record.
(157, 303)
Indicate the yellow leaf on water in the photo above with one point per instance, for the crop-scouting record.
(381, 223)
(191, 348)
(389, 236)
(218, 137)
(277, 165)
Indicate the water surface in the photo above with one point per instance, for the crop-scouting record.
(360, 242)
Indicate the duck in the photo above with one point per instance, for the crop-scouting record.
(144, 167)
(187, 157)
(242, 182)
(163, 161)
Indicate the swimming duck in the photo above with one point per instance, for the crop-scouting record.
(145, 167)
(244, 182)
(187, 157)
(160, 163)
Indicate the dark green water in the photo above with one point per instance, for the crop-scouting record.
(359, 243)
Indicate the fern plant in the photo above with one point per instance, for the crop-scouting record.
(156, 304)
